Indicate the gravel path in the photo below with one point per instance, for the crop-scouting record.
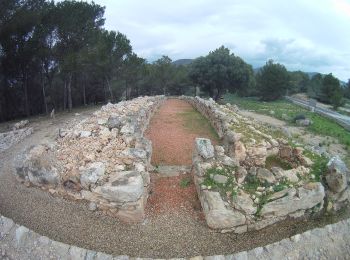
(173, 130)
(172, 234)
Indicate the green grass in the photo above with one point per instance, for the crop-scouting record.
(251, 184)
(185, 182)
(195, 122)
(222, 188)
(319, 168)
(286, 111)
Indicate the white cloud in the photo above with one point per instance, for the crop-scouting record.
(307, 35)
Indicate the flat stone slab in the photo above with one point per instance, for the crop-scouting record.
(172, 170)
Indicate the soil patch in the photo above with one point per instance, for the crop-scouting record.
(173, 130)
(172, 194)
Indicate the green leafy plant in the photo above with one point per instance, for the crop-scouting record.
(251, 183)
(185, 182)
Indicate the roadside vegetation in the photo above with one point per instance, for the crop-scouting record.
(286, 111)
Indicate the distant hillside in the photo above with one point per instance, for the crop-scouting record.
(182, 62)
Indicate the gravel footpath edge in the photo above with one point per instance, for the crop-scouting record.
(332, 241)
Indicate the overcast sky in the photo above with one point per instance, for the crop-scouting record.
(309, 35)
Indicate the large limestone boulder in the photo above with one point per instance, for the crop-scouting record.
(338, 175)
(244, 203)
(123, 187)
(204, 148)
(216, 213)
(239, 151)
(265, 175)
(257, 155)
(302, 198)
(39, 167)
(91, 174)
(291, 175)
(114, 122)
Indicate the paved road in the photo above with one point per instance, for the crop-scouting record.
(341, 119)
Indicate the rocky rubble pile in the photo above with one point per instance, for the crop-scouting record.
(18, 133)
(256, 178)
(104, 159)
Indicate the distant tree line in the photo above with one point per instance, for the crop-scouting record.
(59, 56)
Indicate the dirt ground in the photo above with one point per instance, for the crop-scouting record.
(173, 130)
(173, 233)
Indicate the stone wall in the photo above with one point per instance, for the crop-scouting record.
(330, 242)
(18, 133)
(105, 159)
(237, 192)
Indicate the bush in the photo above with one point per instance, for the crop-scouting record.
(299, 117)
(272, 81)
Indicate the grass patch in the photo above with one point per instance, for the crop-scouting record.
(251, 184)
(263, 199)
(185, 182)
(222, 188)
(195, 122)
(276, 161)
(319, 168)
(286, 111)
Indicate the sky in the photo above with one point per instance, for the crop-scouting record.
(309, 35)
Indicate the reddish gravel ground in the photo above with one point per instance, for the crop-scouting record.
(169, 196)
(173, 130)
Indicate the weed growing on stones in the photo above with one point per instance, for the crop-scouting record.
(185, 182)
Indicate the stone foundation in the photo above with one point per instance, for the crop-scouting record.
(237, 192)
(105, 160)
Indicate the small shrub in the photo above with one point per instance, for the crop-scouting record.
(299, 117)
(223, 188)
(251, 183)
(278, 187)
(319, 168)
(185, 182)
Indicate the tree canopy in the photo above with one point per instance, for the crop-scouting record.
(219, 71)
(273, 81)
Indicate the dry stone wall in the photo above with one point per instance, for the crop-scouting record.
(239, 192)
(330, 242)
(19, 131)
(105, 159)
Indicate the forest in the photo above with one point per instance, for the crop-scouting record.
(58, 55)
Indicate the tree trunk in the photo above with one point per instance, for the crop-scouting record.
(25, 86)
(109, 89)
(84, 90)
(65, 95)
(69, 93)
(126, 90)
(218, 94)
(44, 94)
(104, 91)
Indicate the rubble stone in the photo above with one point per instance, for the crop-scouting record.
(89, 159)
